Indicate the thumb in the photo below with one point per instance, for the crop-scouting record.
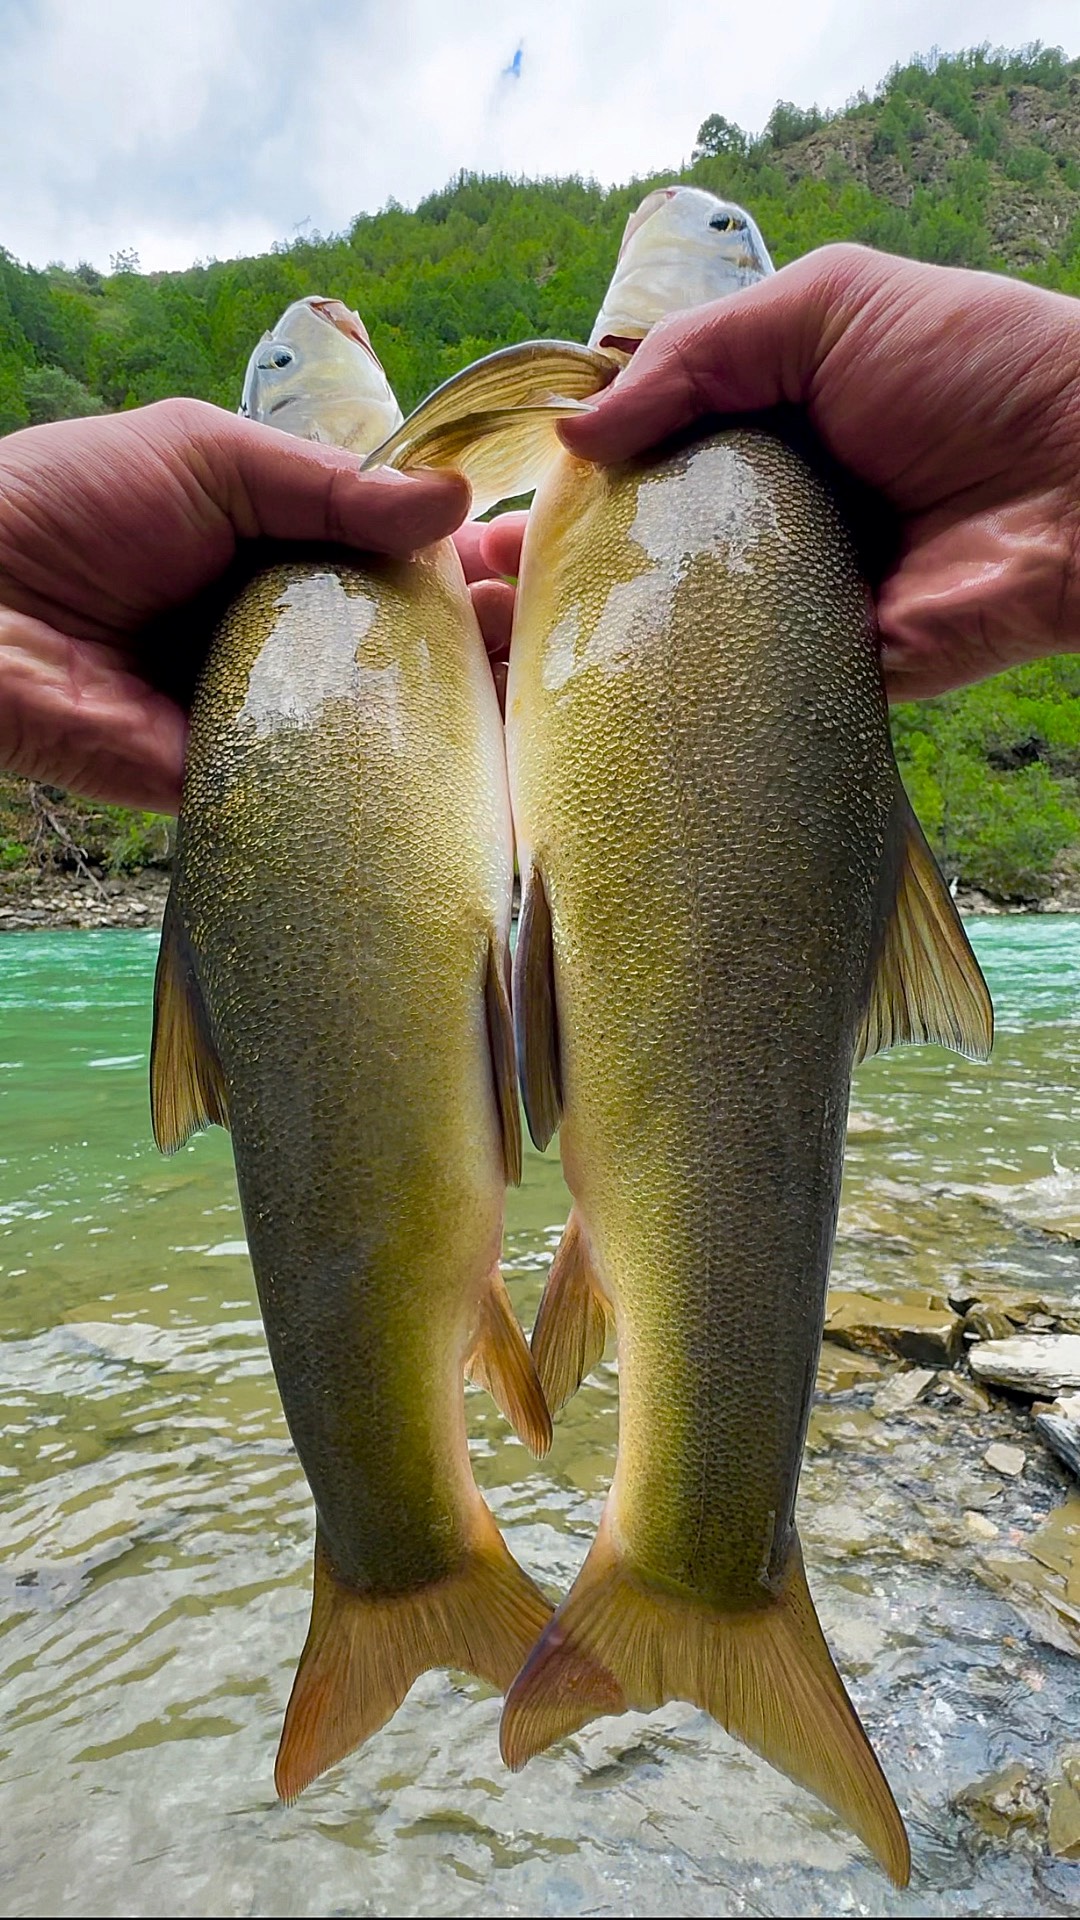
(749, 351)
(274, 485)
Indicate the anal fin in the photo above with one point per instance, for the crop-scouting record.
(928, 985)
(500, 1361)
(620, 1640)
(363, 1651)
(574, 1319)
(535, 1017)
(187, 1084)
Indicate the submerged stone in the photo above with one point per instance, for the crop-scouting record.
(1003, 1803)
(1038, 1364)
(1064, 1826)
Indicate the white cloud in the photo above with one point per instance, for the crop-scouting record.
(217, 126)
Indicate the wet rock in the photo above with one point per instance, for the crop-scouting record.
(988, 1323)
(904, 1389)
(906, 1326)
(841, 1367)
(1057, 1546)
(1062, 1436)
(1006, 1460)
(1005, 1803)
(1038, 1364)
(1064, 1826)
(967, 1392)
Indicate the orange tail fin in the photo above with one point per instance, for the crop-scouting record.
(363, 1652)
(767, 1676)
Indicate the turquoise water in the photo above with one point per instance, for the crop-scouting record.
(155, 1532)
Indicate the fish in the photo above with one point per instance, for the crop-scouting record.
(333, 985)
(307, 378)
(726, 902)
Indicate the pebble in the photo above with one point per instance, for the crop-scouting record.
(979, 1525)
(1004, 1459)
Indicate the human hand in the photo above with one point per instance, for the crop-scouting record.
(108, 524)
(955, 394)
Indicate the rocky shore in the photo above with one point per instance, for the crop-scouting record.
(40, 898)
(972, 1396)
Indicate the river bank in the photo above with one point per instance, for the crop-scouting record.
(34, 899)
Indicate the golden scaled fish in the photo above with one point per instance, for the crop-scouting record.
(727, 901)
(333, 985)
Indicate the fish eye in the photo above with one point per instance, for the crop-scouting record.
(278, 357)
(726, 223)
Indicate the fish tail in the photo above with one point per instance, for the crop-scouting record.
(620, 1640)
(363, 1651)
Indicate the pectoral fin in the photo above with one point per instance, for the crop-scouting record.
(928, 985)
(535, 1019)
(575, 1317)
(187, 1085)
(500, 1032)
(495, 421)
(500, 1361)
(619, 1640)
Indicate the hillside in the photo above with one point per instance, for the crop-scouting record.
(970, 160)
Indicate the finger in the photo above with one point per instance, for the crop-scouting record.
(747, 352)
(73, 715)
(500, 542)
(469, 542)
(493, 603)
(272, 484)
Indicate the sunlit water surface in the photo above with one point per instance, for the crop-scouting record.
(155, 1530)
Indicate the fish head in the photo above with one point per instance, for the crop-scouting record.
(317, 375)
(681, 248)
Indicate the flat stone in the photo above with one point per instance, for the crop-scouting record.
(902, 1391)
(906, 1326)
(1056, 1545)
(1039, 1364)
(1007, 1460)
(1064, 1826)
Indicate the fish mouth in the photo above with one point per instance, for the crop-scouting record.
(346, 322)
(622, 343)
(651, 204)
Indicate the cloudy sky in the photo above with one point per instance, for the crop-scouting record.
(213, 127)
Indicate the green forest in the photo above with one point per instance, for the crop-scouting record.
(970, 159)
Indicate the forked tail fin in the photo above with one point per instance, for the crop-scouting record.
(767, 1676)
(363, 1651)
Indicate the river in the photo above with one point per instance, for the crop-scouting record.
(155, 1530)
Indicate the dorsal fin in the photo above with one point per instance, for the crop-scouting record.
(495, 421)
